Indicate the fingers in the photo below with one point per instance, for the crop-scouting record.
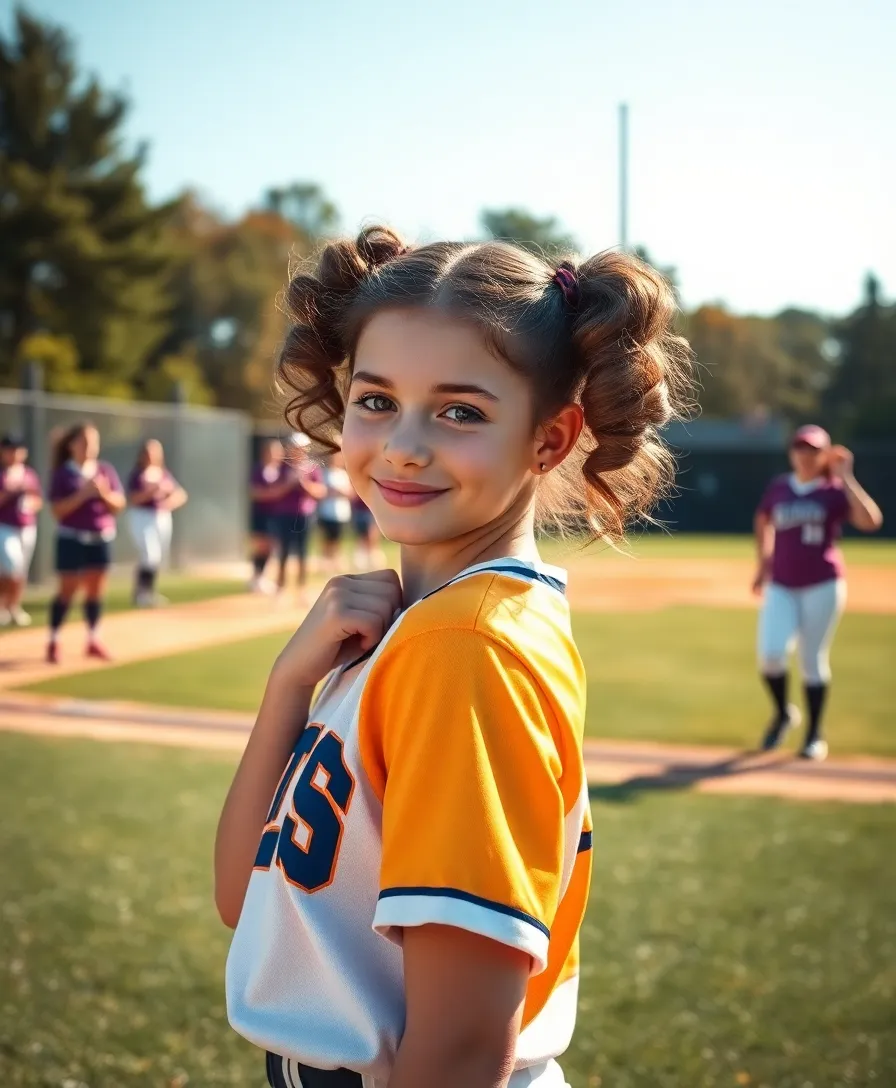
(379, 585)
(376, 577)
(368, 626)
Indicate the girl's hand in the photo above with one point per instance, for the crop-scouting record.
(349, 618)
(841, 461)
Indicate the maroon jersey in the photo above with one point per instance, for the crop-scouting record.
(165, 487)
(807, 520)
(14, 508)
(92, 516)
(297, 500)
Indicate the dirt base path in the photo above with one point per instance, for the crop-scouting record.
(617, 771)
(138, 635)
(619, 584)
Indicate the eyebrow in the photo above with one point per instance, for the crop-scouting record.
(444, 387)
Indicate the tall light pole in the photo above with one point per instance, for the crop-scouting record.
(623, 175)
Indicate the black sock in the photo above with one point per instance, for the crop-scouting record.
(58, 610)
(777, 686)
(259, 562)
(139, 582)
(815, 699)
(146, 579)
(151, 576)
(92, 612)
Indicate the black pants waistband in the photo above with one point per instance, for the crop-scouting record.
(288, 1073)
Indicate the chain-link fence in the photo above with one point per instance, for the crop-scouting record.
(207, 450)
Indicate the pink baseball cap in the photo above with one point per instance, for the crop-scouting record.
(812, 435)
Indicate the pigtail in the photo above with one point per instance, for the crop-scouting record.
(311, 364)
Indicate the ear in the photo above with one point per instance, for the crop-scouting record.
(555, 438)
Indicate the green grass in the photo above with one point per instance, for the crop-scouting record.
(867, 551)
(228, 677)
(726, 938)
(178, 588)
(678, 675)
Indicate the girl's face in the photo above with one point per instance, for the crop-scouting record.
(86, 446)
(152, 452)
(12, 455)
(438, 437)
(806, 461)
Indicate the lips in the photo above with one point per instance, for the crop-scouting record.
(408, 493)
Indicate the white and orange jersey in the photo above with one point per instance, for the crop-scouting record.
(439, 780)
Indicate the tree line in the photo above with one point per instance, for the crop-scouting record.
(116, 296)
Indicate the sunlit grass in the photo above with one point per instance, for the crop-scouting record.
(729, 941)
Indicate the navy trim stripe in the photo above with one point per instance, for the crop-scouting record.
(523, 573)
(466, 897)
(531, 575)
(585, 841)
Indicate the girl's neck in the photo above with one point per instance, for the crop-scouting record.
(425, 567)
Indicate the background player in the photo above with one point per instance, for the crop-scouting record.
(20, 500)
(265, 492)
(86, 497)
(153, 495)
(408, 905)
(334, 511)
(299, 489)
(801, 574)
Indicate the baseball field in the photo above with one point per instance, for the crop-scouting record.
(730, 940)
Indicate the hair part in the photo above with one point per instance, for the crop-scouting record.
(612, 349)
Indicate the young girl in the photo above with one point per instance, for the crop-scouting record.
(264, 493)
(20, 500)
(300, 489)
(153, 495)
(407, 893)
(86, 497)
(801, 574)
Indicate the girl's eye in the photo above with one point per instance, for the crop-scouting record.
(375, 402)
(463, 413)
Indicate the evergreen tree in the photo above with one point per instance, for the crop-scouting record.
(542, 236)
(83, 255)
(861, 399)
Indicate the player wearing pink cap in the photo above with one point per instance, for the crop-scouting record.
(801, 575)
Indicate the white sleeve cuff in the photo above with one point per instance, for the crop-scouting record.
(400, 907)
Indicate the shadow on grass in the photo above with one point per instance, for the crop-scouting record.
(681, 776)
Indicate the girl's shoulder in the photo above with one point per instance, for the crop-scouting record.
(521, 614)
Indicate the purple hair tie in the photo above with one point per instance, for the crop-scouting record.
(566, 279)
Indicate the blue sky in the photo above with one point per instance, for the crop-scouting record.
(763, 135)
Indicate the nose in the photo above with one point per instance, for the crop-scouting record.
(406, 442)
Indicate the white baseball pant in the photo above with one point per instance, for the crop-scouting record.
(807, 616)
(17, 550)
(151, 532)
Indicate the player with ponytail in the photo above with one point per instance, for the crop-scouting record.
(406, 857)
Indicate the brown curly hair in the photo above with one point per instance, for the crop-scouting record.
(609, 346)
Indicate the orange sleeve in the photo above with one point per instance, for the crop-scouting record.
(457, 741)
